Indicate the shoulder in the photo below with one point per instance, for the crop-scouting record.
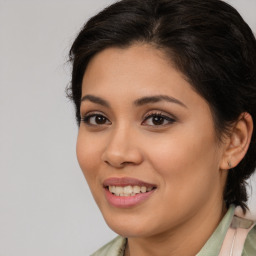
(246, 222)
(250, 243)
(113, 248)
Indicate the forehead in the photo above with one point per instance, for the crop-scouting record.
(138, 67)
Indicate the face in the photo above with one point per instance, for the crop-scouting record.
(146, 143)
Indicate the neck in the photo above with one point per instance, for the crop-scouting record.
(187, 239)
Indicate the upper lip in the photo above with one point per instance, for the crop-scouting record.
(126, 181)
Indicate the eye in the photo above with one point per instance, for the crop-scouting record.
(95, 119)
(157, 119)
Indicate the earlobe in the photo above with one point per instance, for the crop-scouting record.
(238, 142)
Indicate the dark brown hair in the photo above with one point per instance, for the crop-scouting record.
(208, 41)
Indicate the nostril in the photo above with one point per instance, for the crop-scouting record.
(126, 163)
(115, 164)
(121, 158)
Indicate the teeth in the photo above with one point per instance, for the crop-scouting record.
(143, 189)
(136, 189)
(119, 190)
(112, 189)
(128, 190)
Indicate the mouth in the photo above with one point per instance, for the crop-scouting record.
(127, 192)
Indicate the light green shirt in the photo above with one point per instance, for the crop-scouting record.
(211, 248)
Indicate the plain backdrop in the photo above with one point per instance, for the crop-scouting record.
(45, 205)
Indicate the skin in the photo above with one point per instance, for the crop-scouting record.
(182, 156)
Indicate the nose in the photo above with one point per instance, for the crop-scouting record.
(122, 149)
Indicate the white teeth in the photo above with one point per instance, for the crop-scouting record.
(136, 189)
(112, 189)
(143, 189)
(128, 190)
(118, 190)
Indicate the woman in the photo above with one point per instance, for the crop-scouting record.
(165, 97)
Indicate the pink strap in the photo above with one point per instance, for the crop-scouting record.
(228, 243)
(234, 240)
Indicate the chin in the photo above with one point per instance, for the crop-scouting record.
(132, 226)
(129, 231)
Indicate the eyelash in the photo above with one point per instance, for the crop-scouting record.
(163, 117)
(86, 118)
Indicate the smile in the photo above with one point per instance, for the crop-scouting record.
(127, 192)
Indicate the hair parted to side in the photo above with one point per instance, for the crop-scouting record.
(208, 41)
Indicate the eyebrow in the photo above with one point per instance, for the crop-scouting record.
(138, 102)
(158, 98)
(96, 100)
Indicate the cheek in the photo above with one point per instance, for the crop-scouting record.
(87, 156)
(186, 164)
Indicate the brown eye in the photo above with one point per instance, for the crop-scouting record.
(100, 119)
(158, 120)
(96, 119)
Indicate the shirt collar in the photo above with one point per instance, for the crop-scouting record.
(213, 246)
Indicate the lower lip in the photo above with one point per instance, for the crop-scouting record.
(127, 201)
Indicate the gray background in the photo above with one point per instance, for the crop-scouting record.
(45, 204)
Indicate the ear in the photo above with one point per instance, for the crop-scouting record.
(238, 142)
